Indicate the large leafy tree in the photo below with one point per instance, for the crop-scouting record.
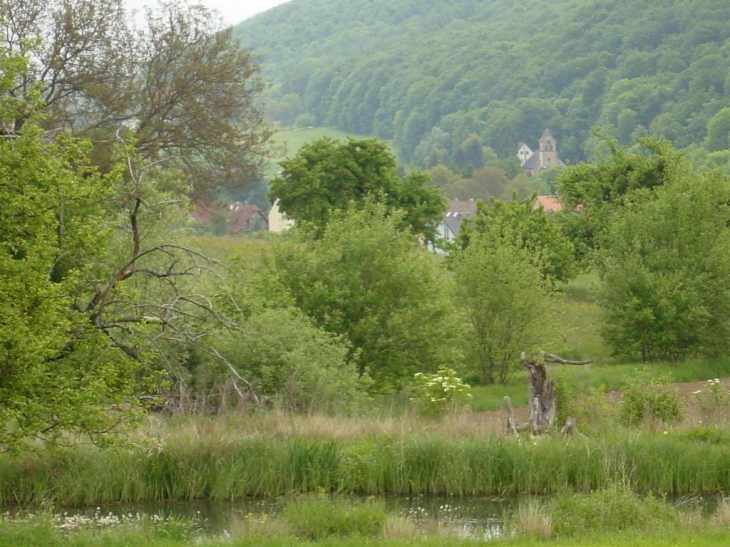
(506, 304)
(666, 269)
(180, 80)
(366, 280)
(56, 367)
(328, 175)
(601, 189)
(519, 224)
(95, 290)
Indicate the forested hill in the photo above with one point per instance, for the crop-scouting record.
(431, 74)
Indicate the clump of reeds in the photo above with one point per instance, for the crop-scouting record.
(616, 508)
(317, 517)
(721, 518)
(530, 521)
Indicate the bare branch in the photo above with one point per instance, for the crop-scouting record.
(556, 359)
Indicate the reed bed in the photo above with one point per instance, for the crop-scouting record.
(216, 461)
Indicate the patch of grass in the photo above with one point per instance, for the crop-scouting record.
(248, 248)
(291, 141)
(613, 509)
(492, 397)
(316, 517)
(650, 523)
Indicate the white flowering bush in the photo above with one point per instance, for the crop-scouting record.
(438, 393)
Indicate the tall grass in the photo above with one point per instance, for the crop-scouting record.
(219, 468)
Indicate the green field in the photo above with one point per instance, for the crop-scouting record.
(289, 142)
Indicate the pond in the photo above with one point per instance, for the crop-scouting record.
(465, 517)
(475, 518)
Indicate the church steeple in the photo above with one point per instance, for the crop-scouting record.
(548, 150)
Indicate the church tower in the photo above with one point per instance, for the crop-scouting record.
(548, 151)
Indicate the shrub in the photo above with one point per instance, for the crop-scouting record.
(592, 410)
(440, 392)
(531, 521)
(644, 398)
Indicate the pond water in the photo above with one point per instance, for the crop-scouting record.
(466, 517)
(477, 518)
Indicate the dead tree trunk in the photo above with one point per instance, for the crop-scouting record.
(541, 395)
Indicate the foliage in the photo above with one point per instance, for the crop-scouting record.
(666, 269)
(97, 293)
(440, 392)
(300, 366)
(714, 400)
(179, 80)
(649, 398)
(270, 454)
(505, 304)
(58, 371)
(368, 281)
(592, 410)
(319, 517)
(613, 509)
(642, 67)
(520, 225)
(327, 175)
(602, 189)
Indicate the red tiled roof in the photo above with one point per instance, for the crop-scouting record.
(551, 204)
(246, 218)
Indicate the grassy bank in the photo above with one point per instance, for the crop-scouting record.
(210, 459)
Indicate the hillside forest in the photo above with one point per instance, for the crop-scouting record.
(461, 83)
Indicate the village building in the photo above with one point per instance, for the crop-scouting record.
(450, 226)
(546, 156)
(278, 221)
(234, 218)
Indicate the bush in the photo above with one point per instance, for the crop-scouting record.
(440, 392)
(317, 517)
(592, 410)
(645, 398)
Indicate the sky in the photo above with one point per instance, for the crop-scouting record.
(233, 11)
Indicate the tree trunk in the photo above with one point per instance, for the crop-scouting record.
(542, 396)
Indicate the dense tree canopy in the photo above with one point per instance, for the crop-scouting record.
(56, 367)
(96, 289)
(432, 74)
(326, 176)
(666, 269)
(523, 226)
(601, 189)
(366, 281)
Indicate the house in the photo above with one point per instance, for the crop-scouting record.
(246, 218)
(546, 156)
(221, 217)
(450, 226)
(278, 221)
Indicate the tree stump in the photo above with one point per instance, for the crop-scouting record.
(541, 396)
